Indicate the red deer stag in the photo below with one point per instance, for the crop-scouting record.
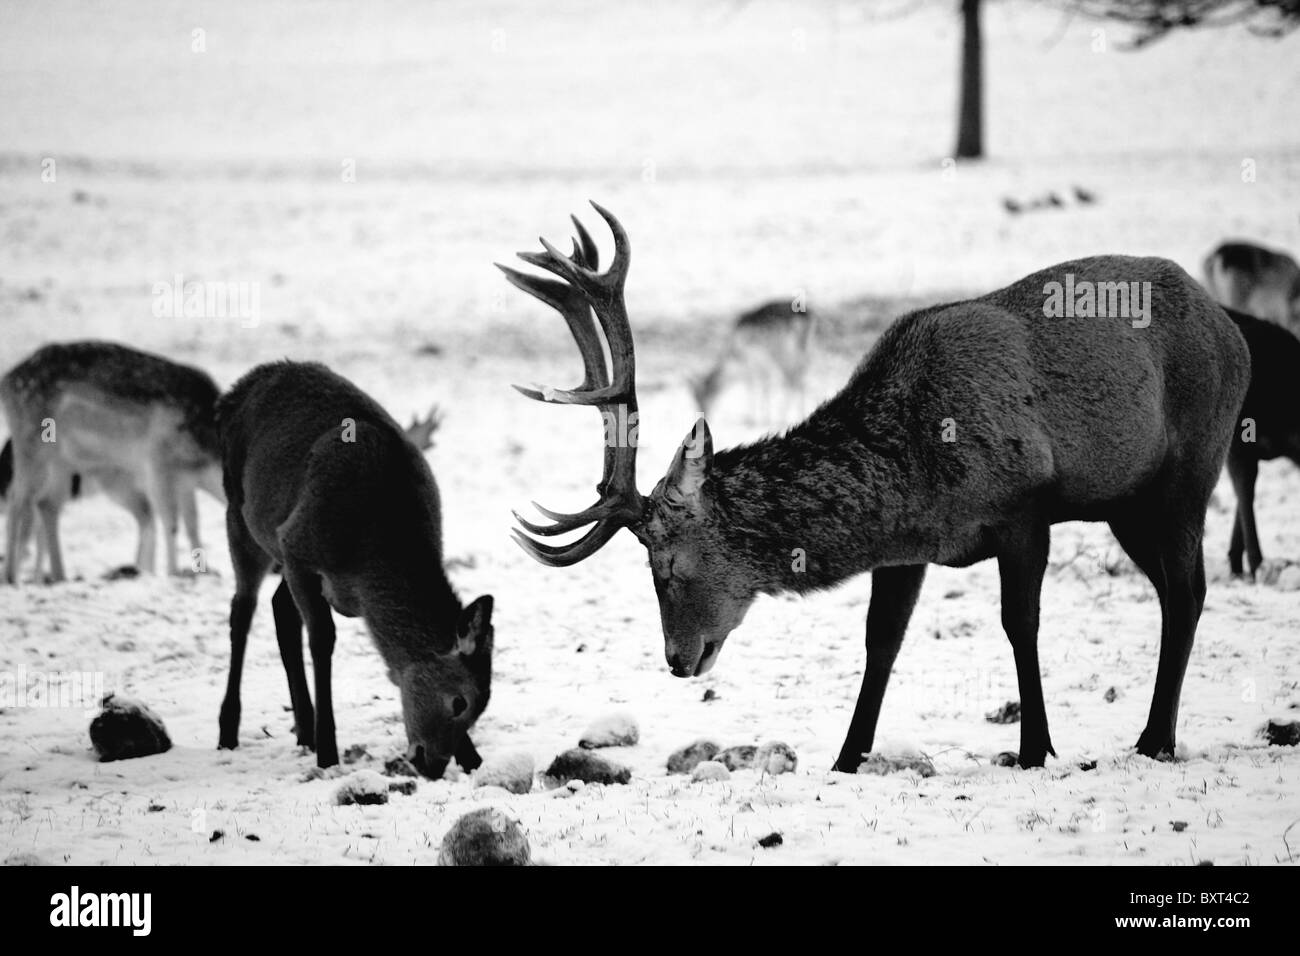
(1051, 419)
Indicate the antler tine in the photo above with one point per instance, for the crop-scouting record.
(590, 254)
(565, 555)
(563, 522)
(610, 388)
(622, 261)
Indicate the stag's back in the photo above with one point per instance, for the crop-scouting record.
(1090, 407)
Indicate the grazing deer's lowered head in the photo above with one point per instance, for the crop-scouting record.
(967, 431)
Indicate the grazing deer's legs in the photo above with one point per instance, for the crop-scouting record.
(1243, 472)
(288, 633)
(1022, 560)
(305, 587)
(147, 538)
(251, 564)
(163, 488)
(894, 591)
(48, 509)
(189, 509)
(21, 508)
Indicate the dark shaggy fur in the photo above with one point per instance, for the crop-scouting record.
(1273, 405)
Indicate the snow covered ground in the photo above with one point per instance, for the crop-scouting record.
(753, 151)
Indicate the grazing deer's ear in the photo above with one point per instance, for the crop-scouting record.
(684, 483)
(474, 628)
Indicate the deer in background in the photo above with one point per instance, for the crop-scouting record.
(1049, 420)
(1252, 279)
(768, 348)
(1268, 426)
(323, 486)
(135, 425)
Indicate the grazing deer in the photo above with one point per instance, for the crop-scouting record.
(324, 487)
(123, 487)
(135, 425)
(967, 431)
(1268, 426)
(769, 348)
(1250, 278)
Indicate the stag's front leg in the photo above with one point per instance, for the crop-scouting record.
(893, 596)
(305, 586)
(1022, 561)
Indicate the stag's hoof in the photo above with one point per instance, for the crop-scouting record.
(1156, 746)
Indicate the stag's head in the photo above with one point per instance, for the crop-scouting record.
(700, 579)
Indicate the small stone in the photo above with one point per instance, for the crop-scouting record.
(1111, 695)
(1178, 825)
(485, 837)
(882, 764)
(1008, 758)
(364, 787)
(406, 786)
(616, 730)
(355, 753)
(399, 766)
(1008, 713)
(686, 759)
(775, 758)
(771, 840)
(1288, 579)
(578, 764)
(1281, 734)
(709, 695)
(512, 772)
(1087, 765)
(709, 770)
(738, 758)
(127, 729)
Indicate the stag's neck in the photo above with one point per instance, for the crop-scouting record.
(833, 497)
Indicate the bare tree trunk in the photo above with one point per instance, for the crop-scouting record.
(970, 121)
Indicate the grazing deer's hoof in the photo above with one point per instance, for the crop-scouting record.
(1034, 757)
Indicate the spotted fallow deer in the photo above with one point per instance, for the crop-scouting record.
(1051, 419)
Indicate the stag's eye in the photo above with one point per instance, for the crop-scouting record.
(459, 706)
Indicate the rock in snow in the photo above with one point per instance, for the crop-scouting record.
(616, 730)
(127, 728)
(512, 772)
(484, 837)
(882, 764)
(1283, 734)
(709, 770)
(577, 764)
(737, 758)
(362, 787)
(686, 759)
(775, 757)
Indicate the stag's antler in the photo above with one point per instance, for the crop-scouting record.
(612, 391)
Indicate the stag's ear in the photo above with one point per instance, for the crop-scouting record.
(684, 483)
(474, 628)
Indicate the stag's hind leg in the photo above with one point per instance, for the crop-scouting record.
(1022, 561)
(1166, 545)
